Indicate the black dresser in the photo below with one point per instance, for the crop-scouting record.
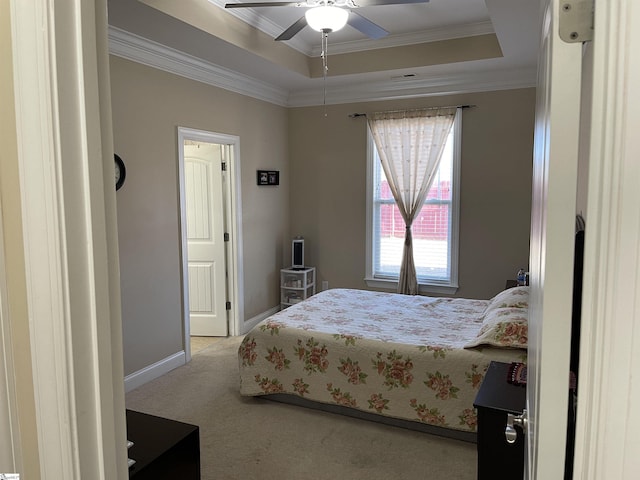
(163, 449)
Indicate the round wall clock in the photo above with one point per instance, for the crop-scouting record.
(121, 171)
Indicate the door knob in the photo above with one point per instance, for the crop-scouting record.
(519, 421)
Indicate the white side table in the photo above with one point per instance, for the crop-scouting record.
(296, 285)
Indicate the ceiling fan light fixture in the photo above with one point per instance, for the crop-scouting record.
(327, 18)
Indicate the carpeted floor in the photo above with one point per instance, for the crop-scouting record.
(250, 438)
(200, 343)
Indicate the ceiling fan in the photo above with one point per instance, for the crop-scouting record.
(330, 15)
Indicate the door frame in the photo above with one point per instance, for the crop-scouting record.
(233, 225)
(70, 244)
(606, 424)
(608, 389)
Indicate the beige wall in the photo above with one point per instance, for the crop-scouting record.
(321, 196)
(328, 190)
(148, 106)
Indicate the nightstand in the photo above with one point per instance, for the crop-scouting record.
(498, 459)
(510, 284)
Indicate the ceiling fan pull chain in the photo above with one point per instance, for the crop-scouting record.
(325, 68)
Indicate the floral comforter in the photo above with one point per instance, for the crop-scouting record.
(396, 355)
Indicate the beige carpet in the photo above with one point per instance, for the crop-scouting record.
(200, 343)
(249, 438)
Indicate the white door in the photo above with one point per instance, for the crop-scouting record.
(206, 262)
(553, 213)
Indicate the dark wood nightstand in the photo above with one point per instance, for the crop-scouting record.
(510, 284)
(163, 449)
(498, 459)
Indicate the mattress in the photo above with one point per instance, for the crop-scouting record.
(393, 355)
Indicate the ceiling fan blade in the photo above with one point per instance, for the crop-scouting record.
(366, 26)
(370, 3)
(293, 29)
(265, 4)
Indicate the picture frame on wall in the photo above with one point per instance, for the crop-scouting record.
(268, 177)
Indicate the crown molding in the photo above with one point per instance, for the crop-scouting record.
(420, 86)
(138, 49)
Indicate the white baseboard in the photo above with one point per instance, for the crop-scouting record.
(136, 379)
(253, 321)
(146, 374)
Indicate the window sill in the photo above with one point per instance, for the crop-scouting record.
(425, 288)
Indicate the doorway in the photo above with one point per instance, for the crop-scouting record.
(210, 224)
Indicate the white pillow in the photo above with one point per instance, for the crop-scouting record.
(516, 297)
(505, 327)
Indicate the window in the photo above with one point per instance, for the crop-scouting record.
(434, 231)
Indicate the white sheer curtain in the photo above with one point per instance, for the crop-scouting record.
(410, 144)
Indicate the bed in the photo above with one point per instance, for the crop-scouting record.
(413, 361)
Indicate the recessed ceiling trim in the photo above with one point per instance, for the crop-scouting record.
(265, 25)
(251, 17)
(138, 49)
(400, 40)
